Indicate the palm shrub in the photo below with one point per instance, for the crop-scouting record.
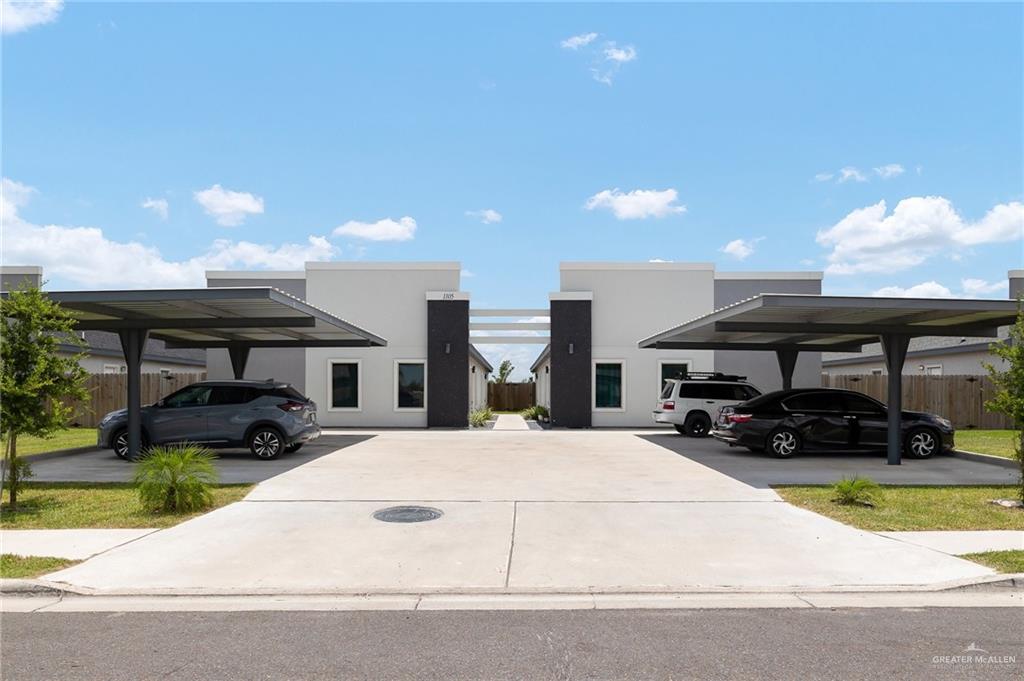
(175, 479)
(478, 418)
(1008, 396)
(856, 490)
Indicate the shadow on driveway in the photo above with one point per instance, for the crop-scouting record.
(760, 470)
(234, 465)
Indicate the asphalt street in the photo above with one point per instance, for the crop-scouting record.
(904, 643)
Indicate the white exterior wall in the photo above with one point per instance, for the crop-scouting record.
(477, 384)
(388, 299)
(958, 364)
(543, 380)
(632, 301)
(94, 364)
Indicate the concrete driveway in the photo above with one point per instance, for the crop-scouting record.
(759, 470)
(234, 465)
(524, 511)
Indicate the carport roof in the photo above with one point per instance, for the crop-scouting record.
(810, 322)
(214, 317)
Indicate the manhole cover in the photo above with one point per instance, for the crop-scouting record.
(408, 514)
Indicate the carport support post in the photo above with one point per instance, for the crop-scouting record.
(894, 346)
(239, 355)
(132, 343)
(787, 364)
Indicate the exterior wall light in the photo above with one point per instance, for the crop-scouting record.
(447, 348)
(572, 348)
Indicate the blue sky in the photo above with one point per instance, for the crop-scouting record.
(261, 135)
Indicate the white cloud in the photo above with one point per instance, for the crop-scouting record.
(578, 41)
(741, 249)
(868, 240)
(658, 260)
(382, 230)
(158, 206)
(487, 216)
(466, 274)
(928, 289)
(637, 204)
(849, 173)
(823, 177)
(21, 15)
(889, 171)
(229, 208)
(979, 288)
(60, 250)
(617, 54)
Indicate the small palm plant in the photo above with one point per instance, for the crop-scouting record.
(175, 479)
(856, 491)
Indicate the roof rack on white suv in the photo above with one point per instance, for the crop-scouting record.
(708, 376)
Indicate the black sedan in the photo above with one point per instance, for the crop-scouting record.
(787, 422)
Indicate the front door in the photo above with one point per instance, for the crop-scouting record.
(181, 416)
(872, 426)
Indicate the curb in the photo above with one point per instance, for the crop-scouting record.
(28, 587)
(985, 458)
(57, 453)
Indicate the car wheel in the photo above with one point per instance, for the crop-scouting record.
(698, 425)
(921, 443)
(680, 429)
(265, 443)
(784, 443)
(293, 447)
(120, 444)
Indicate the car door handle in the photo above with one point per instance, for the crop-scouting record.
(850, 418)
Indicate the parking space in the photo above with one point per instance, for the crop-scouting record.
(760, 470)
(234, 465)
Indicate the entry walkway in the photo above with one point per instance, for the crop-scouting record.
(510, 422)
(538, 512)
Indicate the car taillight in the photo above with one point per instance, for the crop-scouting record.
(291, 405)
(669, 405)
(739, 418)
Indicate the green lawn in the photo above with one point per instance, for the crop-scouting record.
(23, 567)
(1000, 561)
(65, 439)
(994, 442)
(59, 505)
(915, 508)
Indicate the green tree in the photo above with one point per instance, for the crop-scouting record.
(505, 370)
(36, 383)
(1009, 394)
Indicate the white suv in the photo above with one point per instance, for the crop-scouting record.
(691, 403)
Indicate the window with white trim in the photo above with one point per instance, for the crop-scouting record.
(344, 387)
(410, 385)
(608, 385)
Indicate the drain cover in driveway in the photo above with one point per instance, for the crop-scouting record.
(408, 514)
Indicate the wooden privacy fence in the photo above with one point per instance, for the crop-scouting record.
(510, 396)
(108, 392)
(961, 399)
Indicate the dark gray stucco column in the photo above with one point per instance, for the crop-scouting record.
(239, 358)
(787, 363)
(571, 360)
(132, 343)
(447, 360)
(894, 346)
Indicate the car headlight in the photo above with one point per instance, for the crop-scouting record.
(945, 423)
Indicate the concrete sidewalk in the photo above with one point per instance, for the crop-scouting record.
(524, 512)
(510, 422)
(70, 544)
(958, 543)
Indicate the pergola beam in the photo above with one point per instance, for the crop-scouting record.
(985, 328)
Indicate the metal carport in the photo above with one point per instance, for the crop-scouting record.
(792, 323)
(235, 318)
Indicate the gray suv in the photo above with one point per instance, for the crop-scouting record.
(268, 417)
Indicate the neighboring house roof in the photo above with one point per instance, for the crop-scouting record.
(544, 354)
(480, 359)
(107, 344)
(925, 345)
